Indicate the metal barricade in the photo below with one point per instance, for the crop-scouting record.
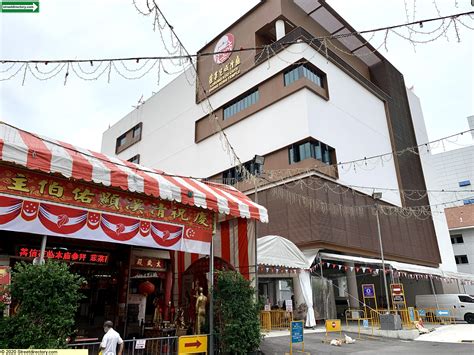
(353, 314)
(265, 320)
(436, 316)
(164, 345)
(275, 319)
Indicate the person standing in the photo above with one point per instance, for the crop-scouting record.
(111, 339)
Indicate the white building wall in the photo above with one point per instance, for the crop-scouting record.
(430, 172)
(465, 248)
(353, 121)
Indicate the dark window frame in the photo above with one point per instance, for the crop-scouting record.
(461, 259)
(304, 70)
(457, 239)
(241, 103)
(316, 149)
(129, 138)
(135, 157)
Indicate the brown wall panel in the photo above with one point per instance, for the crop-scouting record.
(404, 239)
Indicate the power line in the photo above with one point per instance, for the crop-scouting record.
(137, 59)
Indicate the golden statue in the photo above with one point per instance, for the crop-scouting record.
(200, 311)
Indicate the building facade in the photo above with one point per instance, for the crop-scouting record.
(304, 105)
(453, 170)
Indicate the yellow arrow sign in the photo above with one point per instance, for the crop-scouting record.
(191, 344)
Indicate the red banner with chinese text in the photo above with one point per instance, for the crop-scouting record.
(44, 218)
(21, 182)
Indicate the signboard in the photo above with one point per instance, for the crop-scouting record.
(365, 323)
(38, 186)
(442, 312)
(333, 325)
(143, 262)
(397, 289)
(191, 344)
(289, 305)
(267, 308)
(411, 314)
(225, 74)
(421, 312)
(398, 293)
(65, 254)
(140, 344)
(297, 331)
(225, 44)
(398, 298)
(368, 290)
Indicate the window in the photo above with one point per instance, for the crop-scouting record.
(461, 259)
(457, 239)
(121, 140)
(136, 131)
(233, 175)
(241, 103)
(128, 138)
(303, 70)
(466, 299)
(135, 159)
(464, 183)
(311, 149)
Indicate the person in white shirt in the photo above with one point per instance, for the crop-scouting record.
(111, 339)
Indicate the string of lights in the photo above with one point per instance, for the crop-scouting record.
(179, 57)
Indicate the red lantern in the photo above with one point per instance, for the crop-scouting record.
(146, 288)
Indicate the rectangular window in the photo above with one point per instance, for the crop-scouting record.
(457, 239)
(461, 259)
(300, 71)
(248, 99)
(464, 183)
(466, 299)
(310, 149)
(132, 136)
(135, 159)
(121, 140)
(136, 131)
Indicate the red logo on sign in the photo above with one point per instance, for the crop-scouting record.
(225, 44)
(333, 324)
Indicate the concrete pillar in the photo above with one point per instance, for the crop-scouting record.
(352, 288)
(280, 29)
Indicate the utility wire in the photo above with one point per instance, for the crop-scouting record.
(205, 54)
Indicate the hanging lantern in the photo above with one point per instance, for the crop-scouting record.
(146, 288)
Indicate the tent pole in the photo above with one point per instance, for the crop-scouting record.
(43, 249)
(256, 262)
(211, 294)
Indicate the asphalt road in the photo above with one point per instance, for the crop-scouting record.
(314, 345)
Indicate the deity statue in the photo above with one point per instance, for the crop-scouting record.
(200, 311)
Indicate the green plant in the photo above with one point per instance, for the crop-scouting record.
(47, 296)
(237, 313)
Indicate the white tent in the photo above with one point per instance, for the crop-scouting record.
(277, 251)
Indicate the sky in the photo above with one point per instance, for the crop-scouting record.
(440, 72)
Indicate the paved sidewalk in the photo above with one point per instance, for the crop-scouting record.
(278, 345)
(455, 333)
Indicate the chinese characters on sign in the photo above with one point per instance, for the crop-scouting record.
(65, 255)
(149, 263)
(33, 185)
(225, 74)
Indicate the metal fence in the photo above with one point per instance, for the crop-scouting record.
(165, 346)
(275, 319)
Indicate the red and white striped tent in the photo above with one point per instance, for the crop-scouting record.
(19, 148)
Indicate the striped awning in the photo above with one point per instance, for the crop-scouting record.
(51, 156)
